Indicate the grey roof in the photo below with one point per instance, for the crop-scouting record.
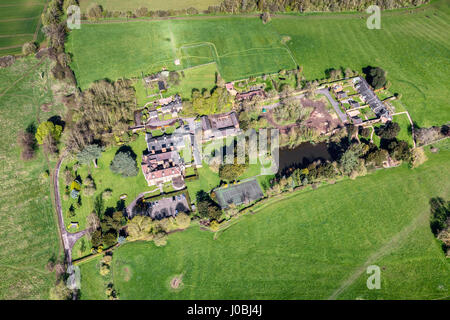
(371, 99)
(175, 105)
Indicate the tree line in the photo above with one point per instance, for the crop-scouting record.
(265, 7)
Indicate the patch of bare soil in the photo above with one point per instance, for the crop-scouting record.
(176, 282)
(46, 107)
(284, 129)
(126, 274)
(320, 118)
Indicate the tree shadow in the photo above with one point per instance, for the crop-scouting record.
(57, 120)
(127, 149)
(31, 128)
(120, 205)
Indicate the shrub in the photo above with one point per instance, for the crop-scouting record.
(107, 194)
(417, 157)
(47, 129)
(214, 225)
(160, 240)
(104, 269)
(29, 48)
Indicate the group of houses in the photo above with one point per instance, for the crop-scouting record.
(167, 106)
(360, 90)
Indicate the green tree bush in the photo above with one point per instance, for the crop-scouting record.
(124, 164)
(47, 129)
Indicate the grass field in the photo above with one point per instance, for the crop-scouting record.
(19, 22)
(28, 227)
(413, 47)
(128, 49)
(151, 5)
(307, 246)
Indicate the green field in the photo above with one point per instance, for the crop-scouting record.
(128, 49)
(413, 47)
(28, 227)
(307, 246)
(120, 5)
(19, 21)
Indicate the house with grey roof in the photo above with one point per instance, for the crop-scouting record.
(369, 97)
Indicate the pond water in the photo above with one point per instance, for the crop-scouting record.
(302, 155)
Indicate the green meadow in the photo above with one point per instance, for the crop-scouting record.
(28, 227)
(18, 23)
(413, 46)
(311, 244)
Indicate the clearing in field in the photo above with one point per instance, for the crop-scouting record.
(130, 49)
(310, 244)
(151, 5)
(19, 23)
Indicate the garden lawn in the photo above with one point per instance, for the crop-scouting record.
(93, 285)
(307, 245)
(405, 128)
(413, 46)
(104, 179)
(81, 248)
(207, 181)
(28, 225)
(199, 77)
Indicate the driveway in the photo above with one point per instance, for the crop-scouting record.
(335, 105)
